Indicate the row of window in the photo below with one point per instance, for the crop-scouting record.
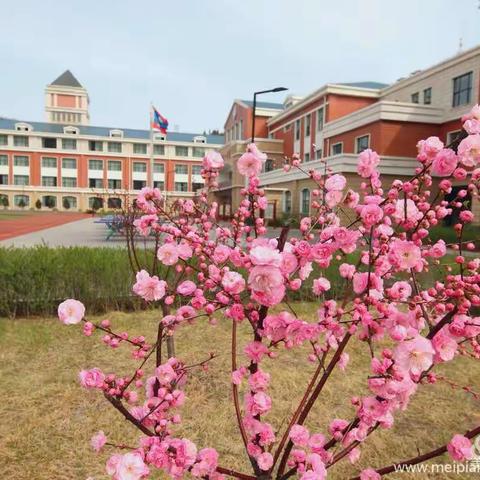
(98, 146)
(462, 91)
(235, 132)
(112, 165)
(304, 201)
(68, 201)
(320, 116)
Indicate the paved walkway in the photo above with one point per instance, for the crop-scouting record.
(27, 222)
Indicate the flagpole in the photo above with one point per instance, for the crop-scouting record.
(152, 183)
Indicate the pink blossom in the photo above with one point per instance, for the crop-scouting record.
(472, 120)
(400, 291)
(368, 161)
(258, 404)
(412, 212)
(360, 281)
(460, 448)
(168, 254)
(249, 165)
(405, 255)
(369, 474)
(371, 214)
(98, 441)
(184, 250)
(427, 149)
(438, 250)
(255, 351)
(93, 378)
(320, 285)
(165, 374)
(148, 198)
(128, 467)
(265, 255)
(71, 311)
(221, 253)
(444, 163)
(346, 270)
(336, 182)
(252, 148)
(212, 160)
(265, 461)
(415, 355)
(266, 283)
(259, 380)
(187, 287)
(149, 288)
(299, 435)
(444, 345)
(469, 150)
(206, 464)
(233, 283)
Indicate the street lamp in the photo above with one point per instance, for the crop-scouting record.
(273, 90)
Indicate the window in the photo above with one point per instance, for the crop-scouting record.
(181, 169)
(69, 182)
(48, 142)
(20, 179)
(95, 164)
(20, 141)
(21, 201)
(70, 130)
(297, 129)
(181, 151)
(307, 157)
(49, 162)
(159, 184)
(3, 160)
(69, 143)
(200, 139)
(181, 186)
(320, 119)
(159, 136)
(337, 148)
(139, 167)
(49, 201)
(69, 163)
(114, 166)
(114, 202)
(198, 152)
(115, 147)
(116, 133)
(462, 89)
(69, 202)
(307, 125)
(20, 161)
(95, 203)
(452, 136)
(139, 184)
(427, 96)
(362, 143)
(158, 168)
(196, 169)
(305, 201)
(287, 201)
(22, 127)
(3, 181)
(3, 139)
(95, 146)
(49, 181)
(415, 97)
(269, 165)
(159, 149)
(140, 148)
(197, 186)
(319, 153)
(95, 182)
(114, 184)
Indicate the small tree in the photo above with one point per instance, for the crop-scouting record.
(66, 203)
(4, 201)
(97, 204)
(22, 203)
(38, 204)
(50, 202)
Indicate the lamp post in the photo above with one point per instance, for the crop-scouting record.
(273, 90)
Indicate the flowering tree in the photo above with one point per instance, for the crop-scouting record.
(236, 270)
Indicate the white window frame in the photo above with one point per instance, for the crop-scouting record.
(70, 130)
(116, 133)
(200, 139)
(284, 201)
(356, 141)
(333, 145)
(23, 127)
(449, 135)
(300, 209)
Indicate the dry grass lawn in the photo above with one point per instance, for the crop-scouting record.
(47, 419)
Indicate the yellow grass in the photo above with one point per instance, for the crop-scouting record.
(47, 419)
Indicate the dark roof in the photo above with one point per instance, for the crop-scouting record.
(275, 106)
(373, 85)
(67, 79)
(45, 127)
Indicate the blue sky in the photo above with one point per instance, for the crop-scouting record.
(192, 57)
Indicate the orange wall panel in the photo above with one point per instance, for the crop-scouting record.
(68, 101)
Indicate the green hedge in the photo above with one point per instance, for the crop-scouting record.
(34, 280)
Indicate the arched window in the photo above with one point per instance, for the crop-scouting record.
(287, 201)
(69, 202)
(305, 201)
(49, 201)
(269, 165)
(114, 202)
(95, 203)
(21, 201)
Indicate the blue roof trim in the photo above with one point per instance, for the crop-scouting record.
(275, 106)
(45, 127)
(368, 84)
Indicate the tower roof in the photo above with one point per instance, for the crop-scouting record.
(67, 79)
